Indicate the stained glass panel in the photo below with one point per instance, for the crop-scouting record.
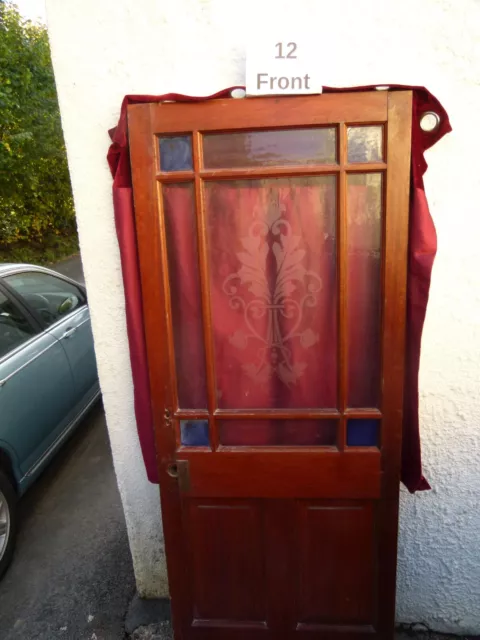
(272, 251)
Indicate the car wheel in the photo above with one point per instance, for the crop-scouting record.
(8, 522)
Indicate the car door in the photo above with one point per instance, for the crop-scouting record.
(61, 306)
(36, 387)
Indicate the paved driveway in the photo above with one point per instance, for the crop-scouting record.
(71, 577)
(71, 267)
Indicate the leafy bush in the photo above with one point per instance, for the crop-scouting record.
(35, 194)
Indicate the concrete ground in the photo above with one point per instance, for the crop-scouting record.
(163, 631)
(71, 576)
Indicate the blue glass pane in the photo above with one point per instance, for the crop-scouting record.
(362, 432)
(176, 153)
(194, 433)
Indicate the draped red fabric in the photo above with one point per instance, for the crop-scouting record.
(261, 249)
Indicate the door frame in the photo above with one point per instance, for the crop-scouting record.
(394, 108)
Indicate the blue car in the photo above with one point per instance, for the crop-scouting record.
(48, 379)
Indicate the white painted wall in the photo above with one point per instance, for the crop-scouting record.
(104, 50)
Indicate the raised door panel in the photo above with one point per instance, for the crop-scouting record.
(228, 578)
(335, 560)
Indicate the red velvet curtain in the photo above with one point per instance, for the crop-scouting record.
(273, 339)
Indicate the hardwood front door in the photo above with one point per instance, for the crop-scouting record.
(273, 235)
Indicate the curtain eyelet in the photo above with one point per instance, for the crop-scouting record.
(429, 121)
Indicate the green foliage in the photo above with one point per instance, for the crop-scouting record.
(50, 250)
(35, 194)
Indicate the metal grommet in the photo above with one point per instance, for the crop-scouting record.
(429, 121)
(238, 93)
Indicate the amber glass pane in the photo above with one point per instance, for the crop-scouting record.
(364, 233)
(179, 211)
(176, 153)
(278, 432)
(269, 148)
(194, 433)
(363, 432)
(365, 144)
(273, 291)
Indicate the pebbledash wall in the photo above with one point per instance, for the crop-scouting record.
(104, 50)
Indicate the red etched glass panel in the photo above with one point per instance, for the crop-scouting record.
(364, 233)
(278, 432)
(272, 254)
(181, 230)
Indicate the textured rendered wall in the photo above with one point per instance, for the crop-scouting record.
(103, 50)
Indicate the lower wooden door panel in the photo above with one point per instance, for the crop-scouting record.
(280, 569)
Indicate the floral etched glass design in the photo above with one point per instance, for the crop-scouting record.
(272, 251)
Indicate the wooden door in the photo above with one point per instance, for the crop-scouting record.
(273, 238)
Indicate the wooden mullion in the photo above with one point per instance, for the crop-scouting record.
(205, 289)
(276, 414)
(363, 413)
(191, 414)
(176, 176)
(342, 287)
(365, 167)
(269, 172)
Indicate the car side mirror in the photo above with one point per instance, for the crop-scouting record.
(67, 305)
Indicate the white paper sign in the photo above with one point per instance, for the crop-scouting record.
(282, 66)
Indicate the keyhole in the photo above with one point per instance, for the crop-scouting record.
(172, 470)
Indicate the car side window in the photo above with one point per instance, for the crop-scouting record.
(50, 297)
(14, 326)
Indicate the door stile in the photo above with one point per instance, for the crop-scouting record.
(393, 338)
(148, 232)
(342, 286)
(205, 289)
